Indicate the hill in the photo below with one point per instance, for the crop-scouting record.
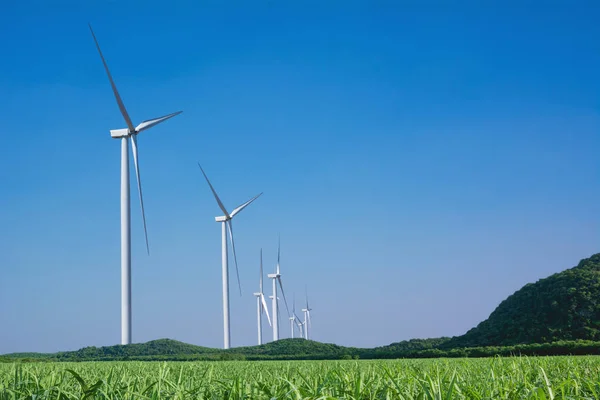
(563, 306)
(160, 347)
(405, 348)
(296, 349)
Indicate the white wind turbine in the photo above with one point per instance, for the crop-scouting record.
(294, 319)
(261, 304)
(124, 134)
(307, 323)
(226, 226)
(275, 311)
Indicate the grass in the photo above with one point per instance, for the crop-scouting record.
(491, 378)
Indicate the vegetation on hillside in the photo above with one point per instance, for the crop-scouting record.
(297, 348)
(300, 349)
(26, 355)
(408, 346)
(563, 306)
(158, 347)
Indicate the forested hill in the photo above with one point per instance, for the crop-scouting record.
(299, 348)
(160, 347)
(563, 306)
(164, 347)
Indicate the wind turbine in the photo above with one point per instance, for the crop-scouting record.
(226, 226)
(131, 133)
(261, 304)
(294, 319)
(306, 322)
(277, 279)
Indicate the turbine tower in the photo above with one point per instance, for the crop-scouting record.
(307, 323)
(277, 279)
(261, 304)
(126, 134)
(225, 221)
(292, 321)
(302, 329)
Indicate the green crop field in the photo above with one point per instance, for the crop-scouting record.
(490, 378)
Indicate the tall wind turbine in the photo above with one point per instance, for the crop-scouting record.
(261, 304)
(226, 226)
(124, 134)
(307, 323)
(277, 279)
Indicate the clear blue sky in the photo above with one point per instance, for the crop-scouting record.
(420, 163)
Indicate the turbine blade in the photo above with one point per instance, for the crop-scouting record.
(283, 293)
(234, 255)
(246, 204)
(114, 87)
(264, 303)
(261, 273)
(151, 122)
(221, 206)
(306, 292)
(278, 252)
(139, 185)
(297, 320)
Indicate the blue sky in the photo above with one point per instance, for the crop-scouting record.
(421, 163)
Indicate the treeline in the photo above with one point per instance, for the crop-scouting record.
(341, 353)
(560, 348)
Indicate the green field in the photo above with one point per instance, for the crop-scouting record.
(489, 378)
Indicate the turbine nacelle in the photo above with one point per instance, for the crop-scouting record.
(125, 132)
(119, 133)
(222, 218)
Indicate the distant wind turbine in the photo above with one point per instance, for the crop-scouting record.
(294, 319)
(124, 134)
(226, 226)
(307, 322)
(277, 279)
(261, 304)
